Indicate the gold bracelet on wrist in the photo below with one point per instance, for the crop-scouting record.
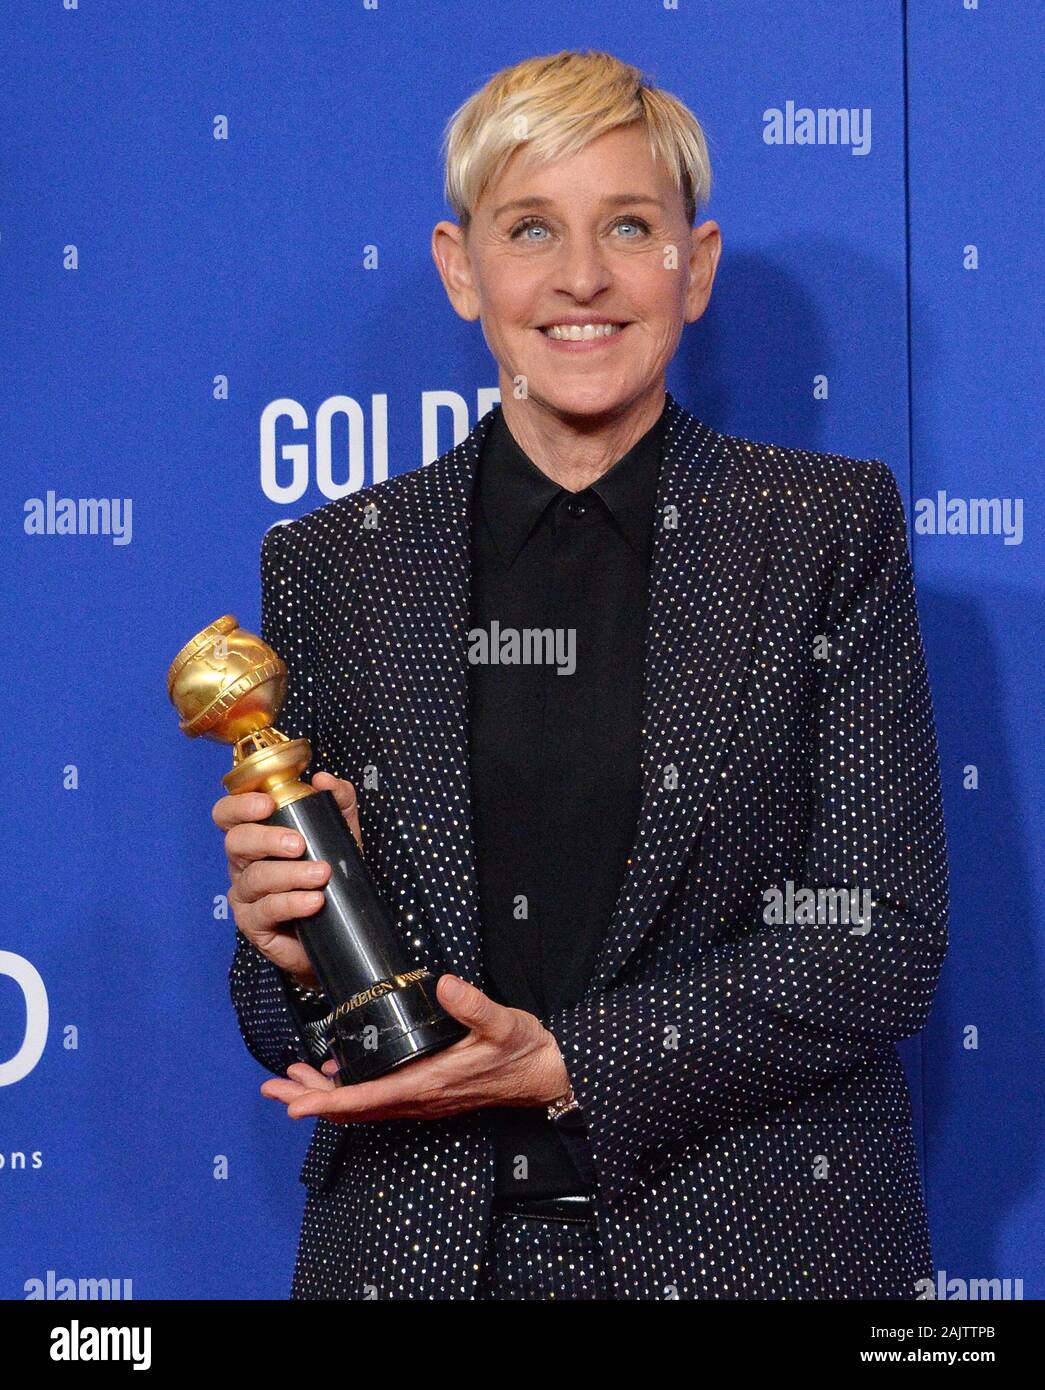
(563, 1105)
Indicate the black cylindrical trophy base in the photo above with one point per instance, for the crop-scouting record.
(384, 1012)
(404, 1024)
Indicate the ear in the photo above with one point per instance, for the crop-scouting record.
(704, 252)
(450, 253)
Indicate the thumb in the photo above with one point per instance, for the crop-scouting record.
(344, 794)
(467, 1004)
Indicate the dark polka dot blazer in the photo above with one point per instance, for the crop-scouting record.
(747, 1112)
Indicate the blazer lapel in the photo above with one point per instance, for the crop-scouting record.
(706, 578)
(415, 595)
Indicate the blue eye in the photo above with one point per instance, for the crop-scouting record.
(525, 225)
(530, 223)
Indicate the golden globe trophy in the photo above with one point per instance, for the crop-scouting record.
(228, 685)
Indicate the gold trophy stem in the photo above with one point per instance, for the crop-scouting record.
(273, 767)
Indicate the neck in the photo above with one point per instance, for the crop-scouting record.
(575, 450)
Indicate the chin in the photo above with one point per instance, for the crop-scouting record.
(586, 398)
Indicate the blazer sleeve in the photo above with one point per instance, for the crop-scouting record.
(786, 1010)
(271, 1020)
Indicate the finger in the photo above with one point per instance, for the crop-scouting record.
(281, 946)
(307, 1076)
(228, 811)
(276, 909)
(344, 794)
(246, 842)
(303, 1100)
(263, 876)
(301, 1079)
(472, 1007)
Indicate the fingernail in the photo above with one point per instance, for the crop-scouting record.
(453, 988)
(291, 842)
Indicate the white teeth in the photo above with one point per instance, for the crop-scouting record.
(576, 333)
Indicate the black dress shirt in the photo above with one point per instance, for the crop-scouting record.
(555, 741)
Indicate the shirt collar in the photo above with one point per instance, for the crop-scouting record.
(514, 494)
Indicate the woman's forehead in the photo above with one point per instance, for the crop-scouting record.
(606, 172)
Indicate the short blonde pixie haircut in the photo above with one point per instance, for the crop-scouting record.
(557, 104)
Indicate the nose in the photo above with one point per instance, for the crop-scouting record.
(581, 269)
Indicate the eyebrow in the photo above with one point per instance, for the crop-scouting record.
(614, 199)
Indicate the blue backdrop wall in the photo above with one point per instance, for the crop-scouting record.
(191, 328)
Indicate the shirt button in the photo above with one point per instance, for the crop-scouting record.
(576, 507)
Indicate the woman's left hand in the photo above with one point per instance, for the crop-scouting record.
(508, 1058)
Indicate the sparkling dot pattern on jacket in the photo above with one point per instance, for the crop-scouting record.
(746, 1109)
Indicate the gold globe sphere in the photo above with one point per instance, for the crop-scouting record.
(226, 683)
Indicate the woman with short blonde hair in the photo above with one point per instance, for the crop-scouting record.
(620, 709)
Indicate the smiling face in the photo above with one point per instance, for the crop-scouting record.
(600, 238)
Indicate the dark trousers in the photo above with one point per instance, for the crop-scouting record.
(530, 1258)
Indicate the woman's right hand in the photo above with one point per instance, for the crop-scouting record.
(270, 884)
